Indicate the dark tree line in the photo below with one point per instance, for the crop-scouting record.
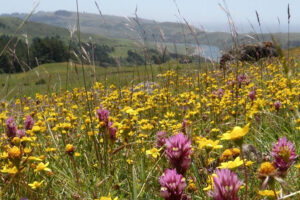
(155, 57)
(98, 54)
(19, 56)
(11, 60)
(150, 56)
(48, 50)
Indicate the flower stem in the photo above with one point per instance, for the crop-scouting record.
(245, 172)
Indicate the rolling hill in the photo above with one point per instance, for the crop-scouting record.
(169, 32)
(9, 24)
(127, 27)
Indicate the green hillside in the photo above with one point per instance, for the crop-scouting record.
(293, 52)
(122, 27)
(8, 25)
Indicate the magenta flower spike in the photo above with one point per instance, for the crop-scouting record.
(184, 126)
(172, 185)
(220, 93)
(21, 133)
(11, 128)
(112, 131)
(161, 139)
(252, 95)
(103, 115)
(29, 122)
(226, 185)
(243, 79)
(284, 155)
(277, 105)
(179, 151)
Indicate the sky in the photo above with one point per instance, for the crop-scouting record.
(197, 12)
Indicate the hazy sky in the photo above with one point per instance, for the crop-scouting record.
(195, 11)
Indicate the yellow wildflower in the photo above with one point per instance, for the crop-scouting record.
(297, 166)
(16, 140)
(107, 198)
(77, 154)
(50, 149)
(14, 152)
(207, 143)
(129, 161)
(210, 182)
(231, 164)
(42, 167)
(154, 152)
(3, 155)
(236, 134)
(27, 150)
(35, 184)
(34, 158)
(266, 169)
(268, 193)
(36, 129)
(12, 170)
(70, 148)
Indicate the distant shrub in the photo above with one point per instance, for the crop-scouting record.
(40, 82)
(63, 13)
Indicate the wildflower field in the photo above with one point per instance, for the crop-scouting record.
(203, 134)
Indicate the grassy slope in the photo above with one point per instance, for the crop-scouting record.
(294, 52)
(55, 77)
(9, 25)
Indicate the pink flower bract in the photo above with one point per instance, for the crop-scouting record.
(284, 154)
(103, 115)
(179, 151)
(161, 139)
(29, 122)
(11, 128)
(226, 185)
(172, 185)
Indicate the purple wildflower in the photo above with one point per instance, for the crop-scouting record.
(179, 152)
(284, 154)
(277, 105)
(172, 185)
(161, 139)
(29, 123)
(220, 92)
(112, 131)
(252, 95)
(184, 126)
(103, 115)
(11, 127)
(21, 133)
(243, 79)
(226, 185)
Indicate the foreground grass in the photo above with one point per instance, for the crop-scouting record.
(72, 153)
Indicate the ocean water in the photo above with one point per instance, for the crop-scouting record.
(210, 52)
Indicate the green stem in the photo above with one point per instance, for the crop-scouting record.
(245, 172)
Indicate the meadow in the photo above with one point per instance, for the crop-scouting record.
(189, 132)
